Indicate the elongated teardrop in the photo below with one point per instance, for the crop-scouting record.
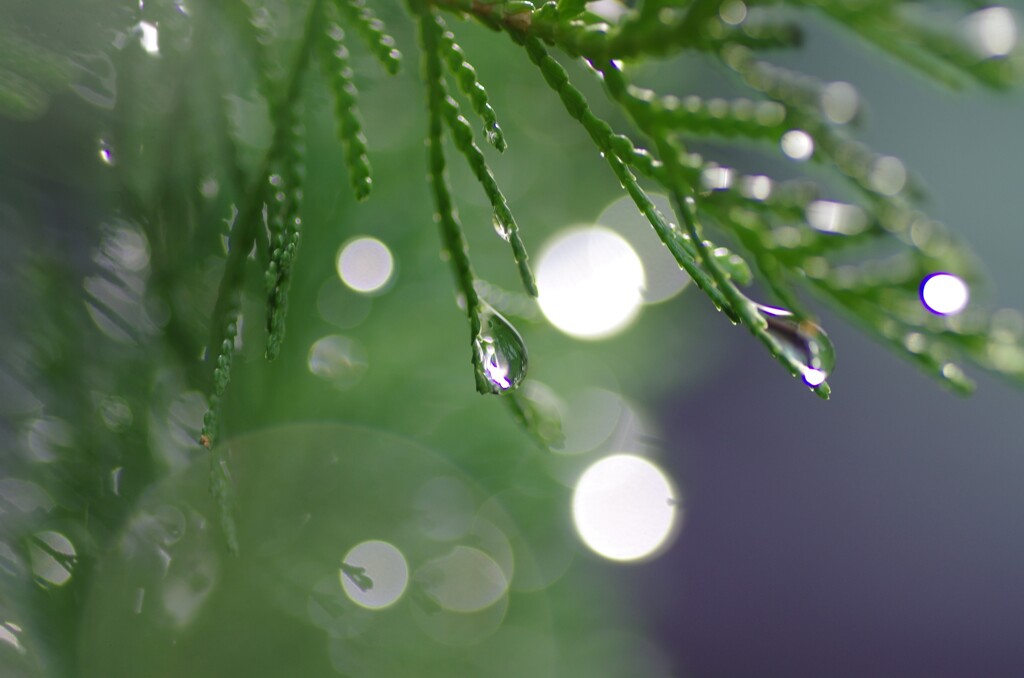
(804, 344)
(500, 354)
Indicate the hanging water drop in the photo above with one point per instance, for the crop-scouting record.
(804, 344)
(500, 353)
(501, 227)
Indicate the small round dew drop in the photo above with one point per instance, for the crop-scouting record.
(944, 294)
(365, 265)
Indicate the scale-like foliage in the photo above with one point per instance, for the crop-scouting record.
(240, 137)
(868, 258)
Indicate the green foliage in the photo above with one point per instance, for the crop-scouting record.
(245, 99)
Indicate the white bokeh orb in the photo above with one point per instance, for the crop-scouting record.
(590, 282)
(365, 265)
(624, 508)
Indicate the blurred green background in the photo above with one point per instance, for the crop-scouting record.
(872, 535)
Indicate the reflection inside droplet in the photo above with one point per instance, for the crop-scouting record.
(365, 265)
(374, 574)
(991, 32)
(9, 634)
(106, 152)
(149, 38)
(797, 144)
(944, 294)
(624, 507)
(501, 353)
(590, 282)
(46, 437)
(803, 344)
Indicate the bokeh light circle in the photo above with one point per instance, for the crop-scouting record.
(944, 294)
(624, 508)
(365, 265)
(590, 281)
(663, 278)
(385, 570)
(797, 144)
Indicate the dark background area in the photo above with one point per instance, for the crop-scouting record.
(881, 533)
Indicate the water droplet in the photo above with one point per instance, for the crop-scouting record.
(495, 138)
(804, 344)
(501, 353)
(734, 265)
(501, 228)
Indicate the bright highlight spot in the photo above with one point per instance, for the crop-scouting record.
(466, 580)
(624, 507)
(836, 217)
(717, 178)
(992, 32)
(590, 282)
(149, 38)
(797, 144)
(944, 294)
(813, 377)
(374, 574)
(365, 265)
